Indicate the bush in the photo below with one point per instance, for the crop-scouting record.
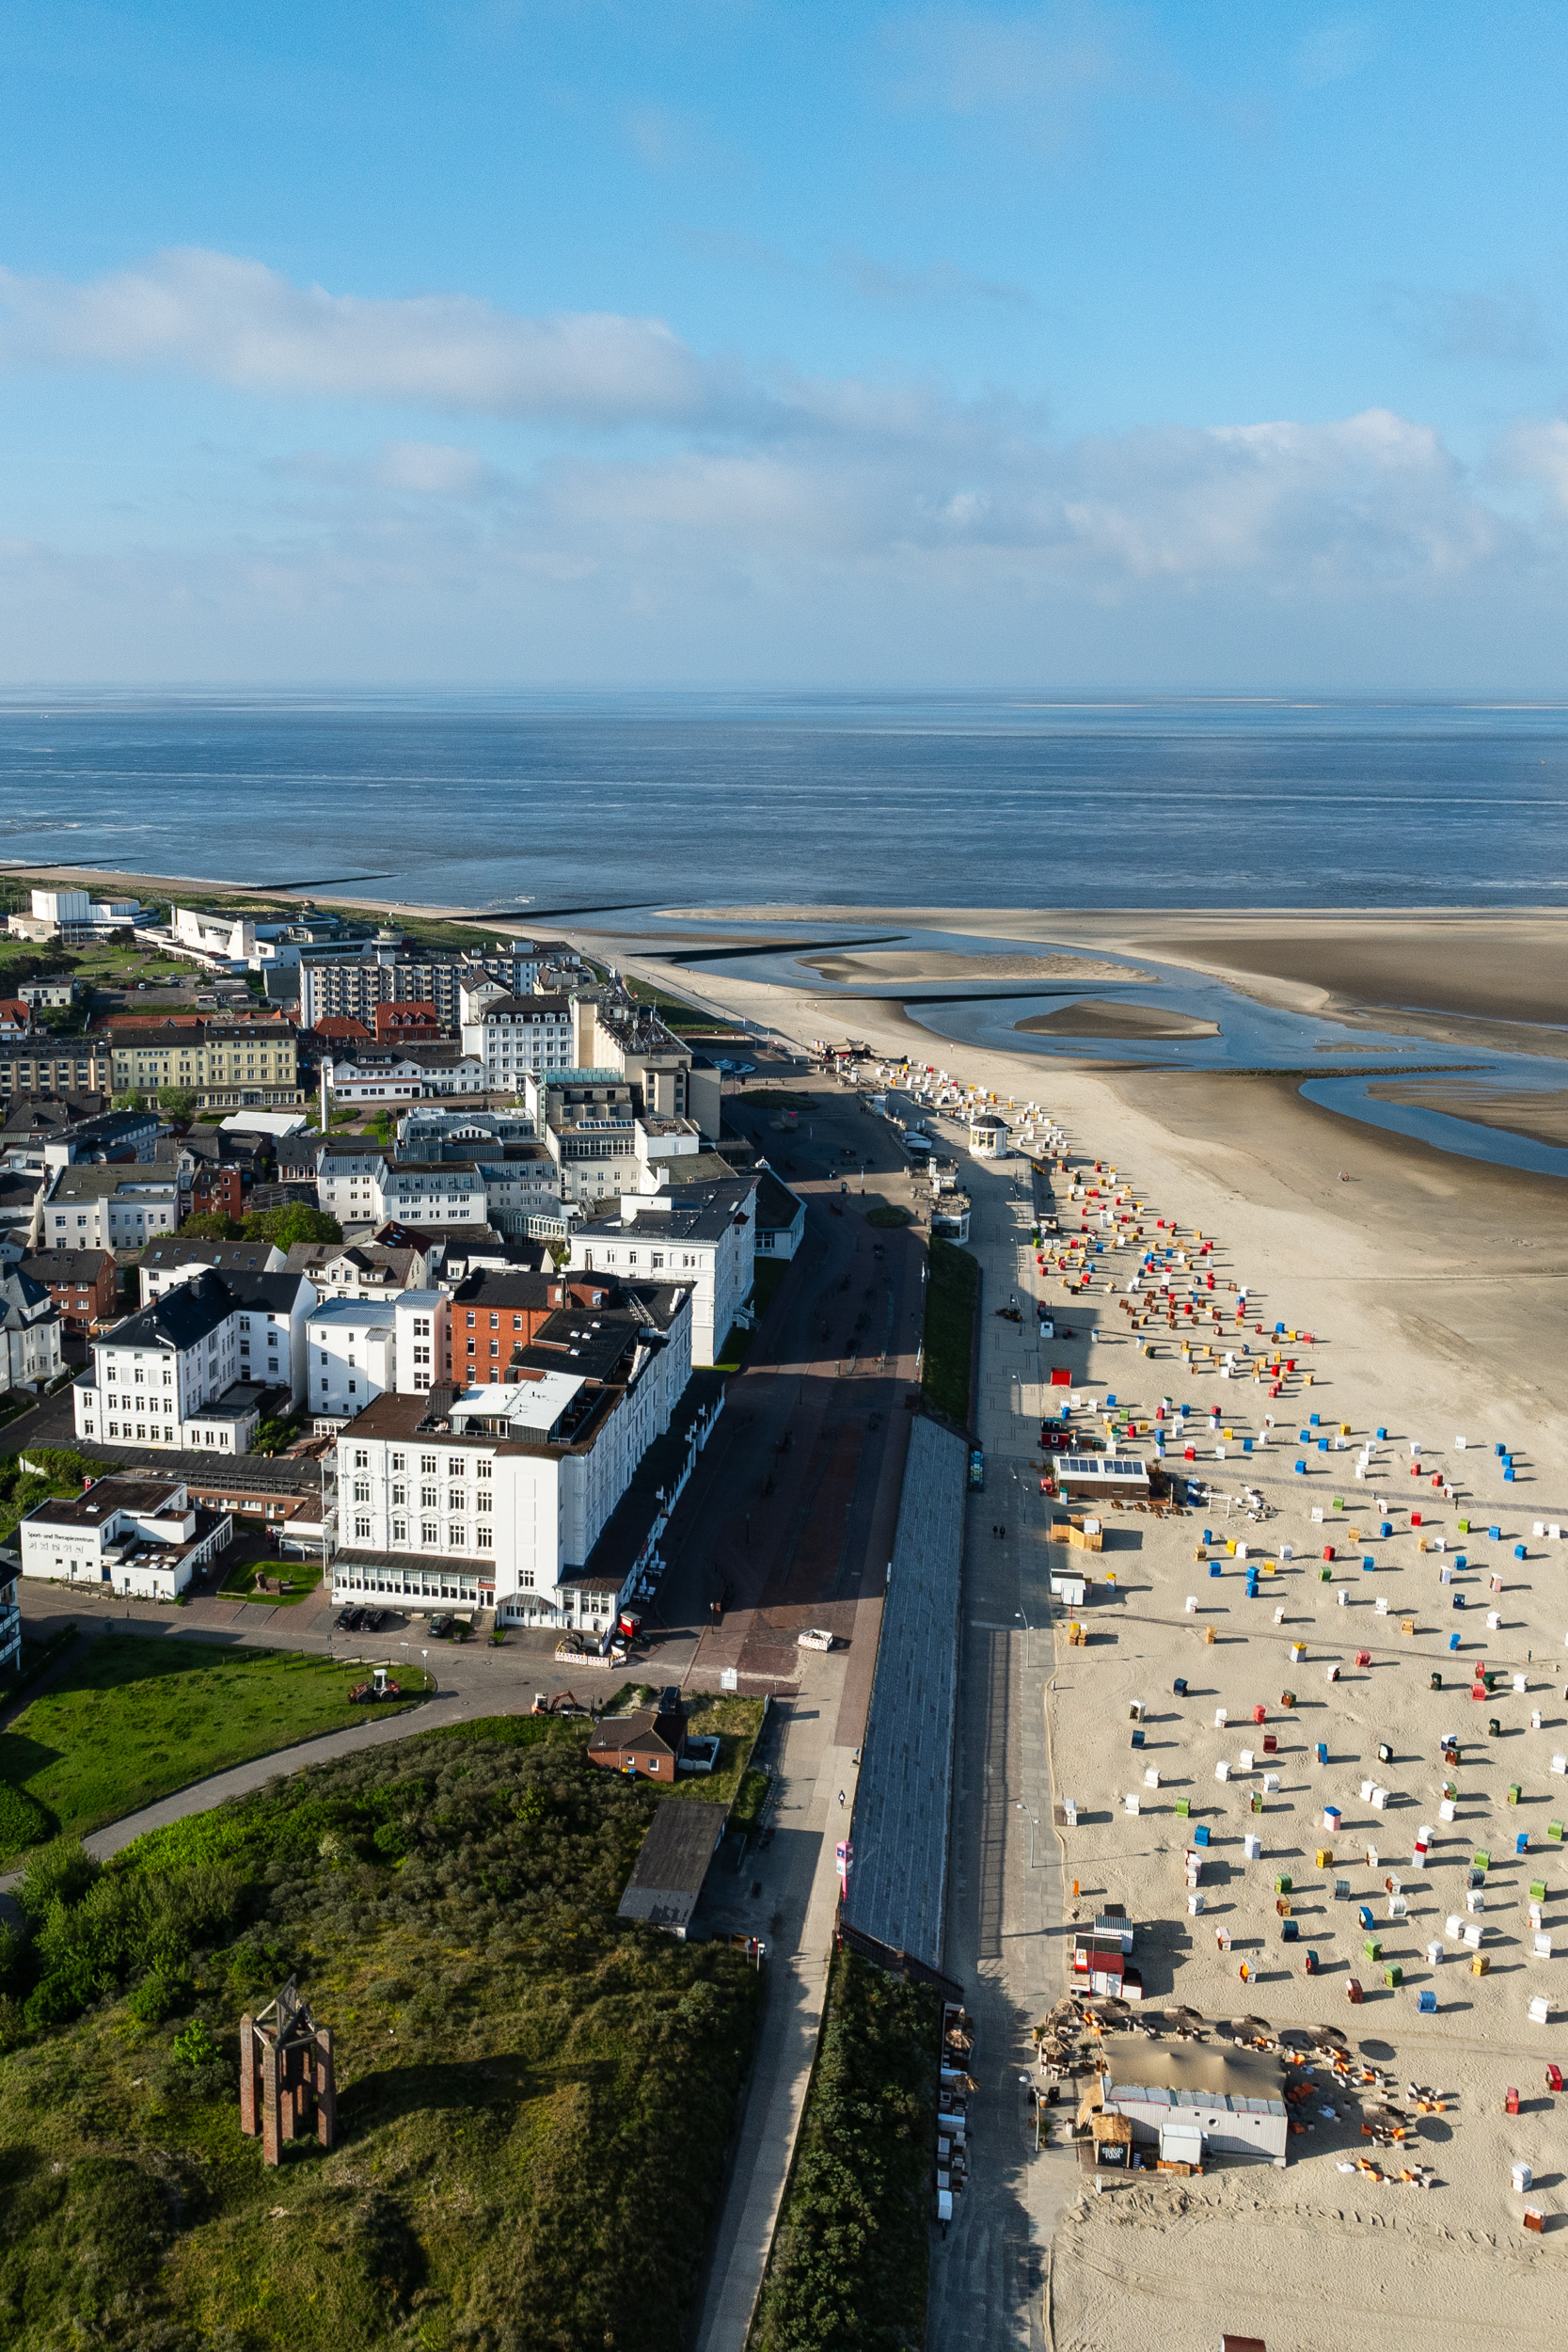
(952, 1294)
(22, 1819)
(849, 2267)
(888, 1213)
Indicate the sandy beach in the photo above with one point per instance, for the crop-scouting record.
(1436, 1288)
(1539, 1113)
(1098, 1016)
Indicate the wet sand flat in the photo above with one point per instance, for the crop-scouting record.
(1543, 1115)
(1117, 1018)
(941, 963)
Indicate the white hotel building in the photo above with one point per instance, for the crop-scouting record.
(493, 1496)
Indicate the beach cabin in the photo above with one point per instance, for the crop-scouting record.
(1124, 1475)
(1231, 2101)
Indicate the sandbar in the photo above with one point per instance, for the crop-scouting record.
(942, 964)
(1540, 1114)
(1094, 1016)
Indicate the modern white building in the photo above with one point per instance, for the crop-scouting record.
(140, 1536)
(118, 1206)
(361, 1348)
(193, 1368)
(704, 1234)
(72, 916)
(505, 1186)
(493, 1495)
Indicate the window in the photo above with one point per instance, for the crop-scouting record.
(362, 1490)
(361, 1459)
(456, 1498)
(399, 1530)
(430, 1534)
(362, 1531)
(482, 1539)
(397, 1463)
(427, 1465)
(427, 1497)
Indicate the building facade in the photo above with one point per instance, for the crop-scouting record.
(140, 1536)
(113, 1207)
(704, 1234)
(228, 1065)
(193, 1368)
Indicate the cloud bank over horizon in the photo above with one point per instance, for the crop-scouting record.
(968, 346)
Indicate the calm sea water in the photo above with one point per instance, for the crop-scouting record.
(952, 800)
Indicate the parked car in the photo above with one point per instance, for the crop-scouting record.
(347, 1619)
(374, 1620)
(441, 1623)
(976, 1469)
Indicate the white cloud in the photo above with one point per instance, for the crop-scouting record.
(239, 323)
(1037, 63)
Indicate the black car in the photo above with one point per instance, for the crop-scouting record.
(347, 1619)
(375, 1620)
(441, 1623)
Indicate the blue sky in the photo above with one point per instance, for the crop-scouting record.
(1173, 346)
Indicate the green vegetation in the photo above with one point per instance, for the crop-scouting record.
(536, 2098)
(952, 1292)
(849, 2268)
(179, 1104)
(676, 1013)
(275, 1437)
(750, 1798)
(134, 1717)
(302, 1577)
(733, 1354)
(286, 1227)
(50, 1470)
(888, 1213)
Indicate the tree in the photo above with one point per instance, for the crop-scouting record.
(212, 1226)
(132, 1100)
(179, 1101)
(289, 1227)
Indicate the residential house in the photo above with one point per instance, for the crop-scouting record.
(140, 1536)
(53, 991)
(648, 1741)
(781, 1217)
(29, 1330)
(16, 1016)
(115, 1207)
(397, 1074)
(363, 1269)
(361, 1348)
(83, 1283)
(702, 1234)
(406, 1023)
(193, 1368)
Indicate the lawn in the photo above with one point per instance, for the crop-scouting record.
(952, 1288)
(303, 1577)
(767, 1283)
(849, 2262)
(133, 1718)
(534, 2097)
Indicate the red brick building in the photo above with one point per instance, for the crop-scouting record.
(647, 1743)
(406, 1023)
(83, 1283)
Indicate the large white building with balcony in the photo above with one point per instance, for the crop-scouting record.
(193, 1368)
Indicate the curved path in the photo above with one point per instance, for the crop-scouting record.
(199, 1796)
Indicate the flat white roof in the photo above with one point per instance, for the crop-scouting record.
(525, 1404)
(357, 1311)
(264, 1122)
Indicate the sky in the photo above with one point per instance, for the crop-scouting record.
(1192, 346)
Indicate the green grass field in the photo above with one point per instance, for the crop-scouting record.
(303, 1577)
(133, 1718)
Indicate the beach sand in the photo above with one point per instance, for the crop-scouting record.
(1437, 1289)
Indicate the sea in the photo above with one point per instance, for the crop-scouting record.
(538, 804)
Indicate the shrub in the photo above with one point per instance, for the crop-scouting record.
(22, 1819)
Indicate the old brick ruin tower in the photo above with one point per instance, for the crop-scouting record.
(286, 2076)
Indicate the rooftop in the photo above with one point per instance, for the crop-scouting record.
(146, 1496)
(667, 1877)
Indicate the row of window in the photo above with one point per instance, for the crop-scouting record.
(430, 1535)
(430, 1464)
